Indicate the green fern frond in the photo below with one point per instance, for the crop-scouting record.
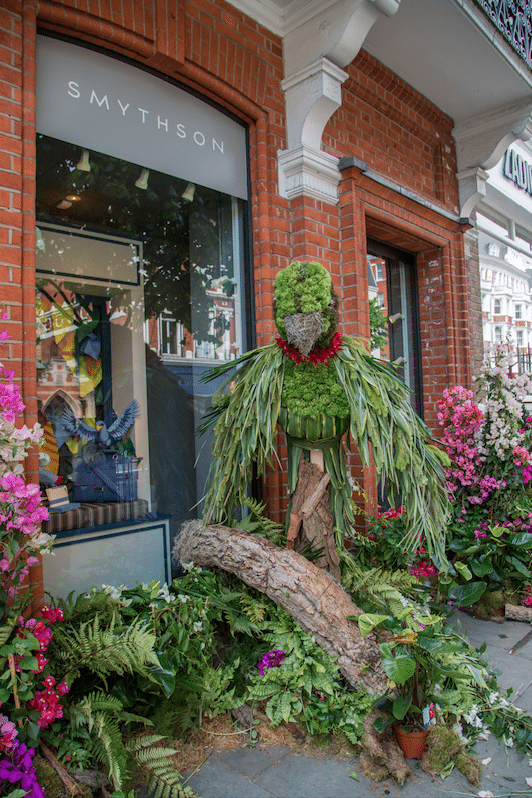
(105, 651)
(157, 765)
(107, 745)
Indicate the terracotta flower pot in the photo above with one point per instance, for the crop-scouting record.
(412, 743)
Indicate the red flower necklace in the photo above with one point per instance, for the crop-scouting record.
(319, 356)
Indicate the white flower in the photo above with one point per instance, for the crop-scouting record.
(457, 729)
(485, 794)
(165, 594)
(182, 598)
(111, 591)
(493, 697)
(508, 741)
(528, 782)
(484, 735)
(197, 626)
(187, 566)
(486, 761)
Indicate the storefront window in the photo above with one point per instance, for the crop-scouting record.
(139, 292)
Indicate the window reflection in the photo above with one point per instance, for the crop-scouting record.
(139, 293)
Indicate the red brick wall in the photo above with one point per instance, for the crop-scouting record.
(228, 57)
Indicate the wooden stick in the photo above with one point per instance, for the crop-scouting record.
(12, 671)
(313, 500)
(293, 529)
(71, 785)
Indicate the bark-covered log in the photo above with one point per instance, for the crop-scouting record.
(318, 603)
(515, 612)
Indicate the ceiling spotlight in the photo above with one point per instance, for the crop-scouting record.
(142, 181)
(188, 193)
(72, 198)
(83, 164)
(63, 205)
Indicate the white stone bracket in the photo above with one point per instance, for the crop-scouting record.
(314, 53)
(481, 143)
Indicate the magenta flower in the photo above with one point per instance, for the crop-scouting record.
(270, 660)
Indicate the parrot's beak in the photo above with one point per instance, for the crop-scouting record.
(303, 330)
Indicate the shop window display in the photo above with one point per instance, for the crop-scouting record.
(139, 291)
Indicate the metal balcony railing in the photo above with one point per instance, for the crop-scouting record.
(513, 18)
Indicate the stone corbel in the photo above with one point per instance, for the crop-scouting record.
(472, 188)
(481, 143)
(314, 53)
(312, 96)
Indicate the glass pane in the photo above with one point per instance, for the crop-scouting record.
(140, 291)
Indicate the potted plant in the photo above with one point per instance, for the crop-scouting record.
(413, 655)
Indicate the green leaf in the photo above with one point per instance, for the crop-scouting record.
(519, 566)
(481, 567)
(353, 775)
(465, 595)
(28, 664)
(401, 706)
(381, 724)
(464, 571)
(398, 665)
(521, 540)
(165, 677)
(368, 621)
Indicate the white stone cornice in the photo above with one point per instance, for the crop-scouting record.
(309, 172)
(312, 97)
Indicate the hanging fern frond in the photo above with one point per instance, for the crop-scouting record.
(158, 768)
(106, 744)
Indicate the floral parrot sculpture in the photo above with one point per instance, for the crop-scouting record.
(326, 392)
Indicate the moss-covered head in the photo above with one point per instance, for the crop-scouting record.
(305, 287)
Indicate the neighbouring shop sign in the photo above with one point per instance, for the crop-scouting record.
(516, 169)
(104, 104)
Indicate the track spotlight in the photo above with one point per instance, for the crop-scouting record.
(188, 193)
(83, 164)
(142, 181)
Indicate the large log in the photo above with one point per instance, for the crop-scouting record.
(515, 612)
(318, 603)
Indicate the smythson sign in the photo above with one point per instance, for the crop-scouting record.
(103, 104)
(516, 169)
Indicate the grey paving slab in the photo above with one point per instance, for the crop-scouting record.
(218, 780)
(305, 777)
(262, 758)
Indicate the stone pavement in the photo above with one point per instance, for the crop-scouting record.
(275, 772)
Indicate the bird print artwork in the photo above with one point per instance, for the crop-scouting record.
(104, 434)
(327, 392)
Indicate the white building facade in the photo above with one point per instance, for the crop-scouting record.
(504, 228)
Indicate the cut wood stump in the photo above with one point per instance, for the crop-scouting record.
(309, 594)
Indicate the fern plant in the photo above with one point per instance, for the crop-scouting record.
(156, 764)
